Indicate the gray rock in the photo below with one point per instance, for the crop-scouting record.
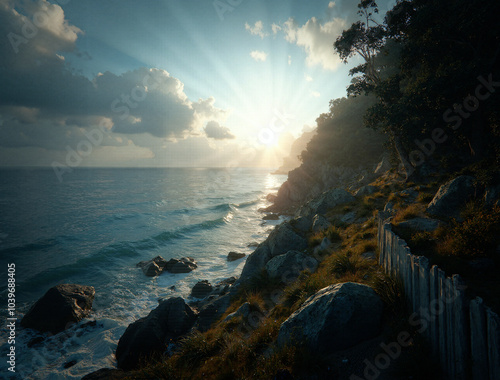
(302, 223)
(335, 318)
(158, 260)
(284, 239)
(349, 218)
(271, 217)
(151, 269)
(251, 316)
(149, 336)
(325, 202)
(421, 224)
(183, 265)
(256, 261)
(211, 312)
(233, 256)
(366, 190)
(287, 267)
(201, 289)
(60, 307)
(451, 197)
(243, 311)
(320, 223)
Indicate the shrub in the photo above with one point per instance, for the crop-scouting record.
(332, 234)
(391, 291)
(477, 235)
(344, 263)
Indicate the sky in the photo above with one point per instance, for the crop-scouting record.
(165, 83)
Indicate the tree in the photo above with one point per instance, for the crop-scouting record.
(367, 38)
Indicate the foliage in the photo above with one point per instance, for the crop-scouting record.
(391, 292)
(423, 65)
(476, 236)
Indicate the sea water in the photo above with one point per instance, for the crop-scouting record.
(95, 226)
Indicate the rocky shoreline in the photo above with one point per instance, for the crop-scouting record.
(282, 257)
(335, 318)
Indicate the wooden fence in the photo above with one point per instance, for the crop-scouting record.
(464, 334)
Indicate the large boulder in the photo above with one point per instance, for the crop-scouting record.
(284, 238)
(201, 289)
(451, 197)
(335, 318)
(320, 223)
(256, 261)
(61, 306)
(182, 265)
(287, 267)
(153, 267)
(233, 256)
(281, 240)
(302, 224)
(251, 316)
(150, 335)
(212, 311)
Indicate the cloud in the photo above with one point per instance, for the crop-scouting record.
(44, 104)
(289, 60)
(214, 130)
(331, 4)
(308, 78)
(317, 39)
(315, 94)
(275, 28)
(258, 55)
(257, 29)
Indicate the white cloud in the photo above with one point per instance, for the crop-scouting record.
(142, 101)
(257, 29)
(258, 55)
(289, 60)
(214, 130)
(331, 4)
(308, 78)
(275, 28)
(317, 39)
(315, 94)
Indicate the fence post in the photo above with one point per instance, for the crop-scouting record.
(443, 326)
(461, 331)
(433, 302)
(450, 341)
(409, 278)
(493, 322)
(415, 296)
(479, 341)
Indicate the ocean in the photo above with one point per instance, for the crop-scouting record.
(95, 226)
